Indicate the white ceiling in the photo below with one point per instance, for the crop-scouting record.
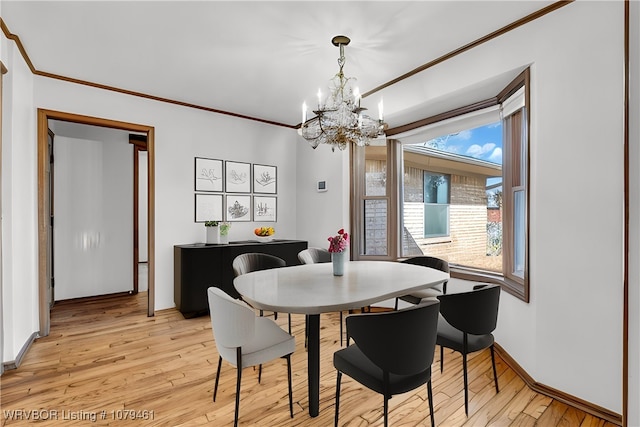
(259, 59)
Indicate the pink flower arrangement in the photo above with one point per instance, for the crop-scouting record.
(339, 243)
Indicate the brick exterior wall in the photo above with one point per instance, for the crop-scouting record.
(467, 241)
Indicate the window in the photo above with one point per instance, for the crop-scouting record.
(373, 193)
(375, 203)
(515, 194)
(436, 204)
(447, 214)
(467, 206)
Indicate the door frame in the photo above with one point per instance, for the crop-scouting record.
(44, 116)
(139, 143)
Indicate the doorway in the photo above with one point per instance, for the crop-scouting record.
(44, 214)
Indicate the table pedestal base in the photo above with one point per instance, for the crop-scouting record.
(313, 363)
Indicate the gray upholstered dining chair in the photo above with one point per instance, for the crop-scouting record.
(392, 352)
(244, 340)
(314, 255)
(255, 261)
(466, 324)
(425, 261)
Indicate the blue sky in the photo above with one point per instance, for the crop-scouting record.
(483, 143)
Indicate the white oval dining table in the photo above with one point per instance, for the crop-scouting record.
(312, 289)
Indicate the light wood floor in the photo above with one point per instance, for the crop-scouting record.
(107, 355)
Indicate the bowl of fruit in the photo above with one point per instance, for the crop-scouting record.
(264, 233)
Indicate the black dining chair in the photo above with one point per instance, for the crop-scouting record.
(426, 261)
(392, 352)
(255, 261)
(466, 324)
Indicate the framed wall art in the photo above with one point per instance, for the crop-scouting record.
(237, 177)
(264, 208)
(238, 207)
(208, 174)
(265, 179)
(208, 207)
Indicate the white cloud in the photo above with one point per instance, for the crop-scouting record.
(478, 151)
(496, 156)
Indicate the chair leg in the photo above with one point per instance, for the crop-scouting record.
(464, 372)
(495, 374)
(441, 358)
(444, 287)
(306, 330)
(386, 411)
(340, 328)
(337, 397)
(288, 357)
(215, 389)
(395, 307)
(238, 381)
(259, 373)
(430, 396)
(289, 323)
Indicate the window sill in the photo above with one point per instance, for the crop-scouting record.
(435, 240)
(514, 288)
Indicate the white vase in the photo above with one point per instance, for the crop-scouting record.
(213, 235)
(338, 263)
(224, 238)
(224, 233)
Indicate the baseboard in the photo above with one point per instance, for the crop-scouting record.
(560, 396)
(14, 364)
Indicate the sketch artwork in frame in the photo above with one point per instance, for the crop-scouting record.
(265, 179)
(209, 176)
(208, 207)
(238, 207)
(264, 208)
(237, 177)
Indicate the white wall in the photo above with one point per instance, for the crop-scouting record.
(180, 135)
(93, 228)
(19, 214)
(321, 214)
(143, 248)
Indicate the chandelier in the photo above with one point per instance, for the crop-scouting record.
(340, 121)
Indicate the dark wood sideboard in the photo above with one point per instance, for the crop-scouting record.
(198, 266)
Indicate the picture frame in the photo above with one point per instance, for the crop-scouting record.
(265, 179)
(237, 177)
(208, 207)
(265, 208)
(208, 174)
(238, 207)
